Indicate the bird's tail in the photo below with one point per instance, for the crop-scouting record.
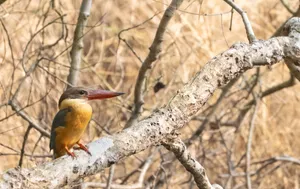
(58, 154)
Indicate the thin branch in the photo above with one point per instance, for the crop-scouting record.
(287, 159)
(23, 108)
(294, 67)
(12, 55)
(111, 176)
(161, 124)
(33, 36)
(265, 163)
(288, 8)
(17, 153)
(78, 42)
(28, 155)
(289, 83)
(23, 145)
(21, 113)
(249, 143)
(147, 161)
(27, 74)
(133, 27)
(155, 50)
(137, 185)
(191, 165)
(247, 23)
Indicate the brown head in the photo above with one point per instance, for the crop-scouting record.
(87, 94)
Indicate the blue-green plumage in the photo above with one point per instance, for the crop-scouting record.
(59, 120)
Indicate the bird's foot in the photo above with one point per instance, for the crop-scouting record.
(70, 153)
(83, 147)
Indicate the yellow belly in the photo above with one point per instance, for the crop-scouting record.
(76, 122)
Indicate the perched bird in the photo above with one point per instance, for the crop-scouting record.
(73, 117)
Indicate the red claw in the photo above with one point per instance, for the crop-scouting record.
(83, 147)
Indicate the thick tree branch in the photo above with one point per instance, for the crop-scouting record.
(155, 50)
(163, 122)
(78, 42)
(139, 184)
(209, 116)
(191, 165)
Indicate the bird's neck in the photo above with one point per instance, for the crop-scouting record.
(73, 103)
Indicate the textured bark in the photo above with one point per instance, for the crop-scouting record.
(164, 122)
(78, 42)
(191, 165)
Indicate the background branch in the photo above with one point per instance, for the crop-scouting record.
(77, 47)
(155, 50)
(162, 123)
(190, 164)
(247, 23)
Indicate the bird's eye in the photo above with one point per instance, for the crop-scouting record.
(82, 92)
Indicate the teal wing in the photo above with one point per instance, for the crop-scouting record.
(59, 120)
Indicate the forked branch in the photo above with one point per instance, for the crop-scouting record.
(163, 123)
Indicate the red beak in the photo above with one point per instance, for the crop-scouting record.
(102, 94)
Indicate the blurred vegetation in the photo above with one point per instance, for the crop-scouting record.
(42, 32)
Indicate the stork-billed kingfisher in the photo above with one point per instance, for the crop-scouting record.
(73, 117)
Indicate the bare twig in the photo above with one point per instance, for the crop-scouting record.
(23, 108)
(110, 177)
(28, 155)
(278, 32)
(231, 19)
(21, 113)
(137, 185)
(294, 67)
(247, 23)
(288, 8)
(23, 145)
(78, 42)
(289, 83)
(155, 49)
(265, 163)
(17, 153)
(161, 124)
(287, 159)
(133, 27)
(31, 39)
(12, 56)
(249, 143)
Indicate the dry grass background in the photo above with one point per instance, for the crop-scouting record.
(191, 40)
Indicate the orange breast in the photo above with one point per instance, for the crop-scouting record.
(76, 122)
